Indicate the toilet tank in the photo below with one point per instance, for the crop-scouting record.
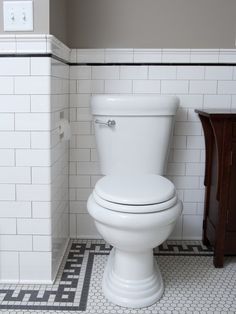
(133, 132)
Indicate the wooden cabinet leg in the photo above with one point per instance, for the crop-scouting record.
(205, 241)
(218, 260)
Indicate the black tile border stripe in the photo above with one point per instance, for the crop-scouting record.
(182, 254)
(151, 64)
(34, 55)
(86, 284)
(50, 55)
(24, 55)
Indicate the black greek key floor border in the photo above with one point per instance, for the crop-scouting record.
(71, 289)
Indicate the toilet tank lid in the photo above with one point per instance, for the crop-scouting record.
(137, 105)
(135, 189)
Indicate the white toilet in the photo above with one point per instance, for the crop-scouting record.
(134, 208)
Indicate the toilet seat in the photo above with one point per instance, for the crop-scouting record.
(135, 194)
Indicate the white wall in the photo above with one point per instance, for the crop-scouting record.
(196, 86)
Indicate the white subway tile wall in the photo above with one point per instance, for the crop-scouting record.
(34, 220)
(196, 86)
(59, 207)
(36, 92)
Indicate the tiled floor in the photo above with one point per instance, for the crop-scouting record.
(192, 284)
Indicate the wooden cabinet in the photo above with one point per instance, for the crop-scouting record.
(219, 225)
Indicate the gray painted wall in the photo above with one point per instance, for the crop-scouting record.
(151, 23)
(41, 17)
(58, 19)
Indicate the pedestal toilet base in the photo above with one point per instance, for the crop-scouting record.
(132, 279)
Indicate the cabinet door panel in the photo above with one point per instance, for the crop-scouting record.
(234, 129)
(231, 220)
(213, 204)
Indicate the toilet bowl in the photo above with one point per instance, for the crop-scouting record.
(134, 208)
(134, 214)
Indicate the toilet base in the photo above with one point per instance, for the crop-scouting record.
(131, 292)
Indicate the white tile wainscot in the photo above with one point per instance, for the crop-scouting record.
(33, 161)
(34, 217)
(197, 87)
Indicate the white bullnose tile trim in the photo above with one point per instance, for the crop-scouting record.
(7, 44)
(227, 55)
(34, 44)
(119, 55)
(89, 55)
(31, 44)
(57, 48)
(133, 56)
(205, 55)
(147, 55)
(176, 55)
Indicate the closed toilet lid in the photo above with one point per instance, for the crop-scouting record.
(135, 190)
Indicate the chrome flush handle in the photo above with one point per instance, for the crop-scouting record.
(109, 123)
